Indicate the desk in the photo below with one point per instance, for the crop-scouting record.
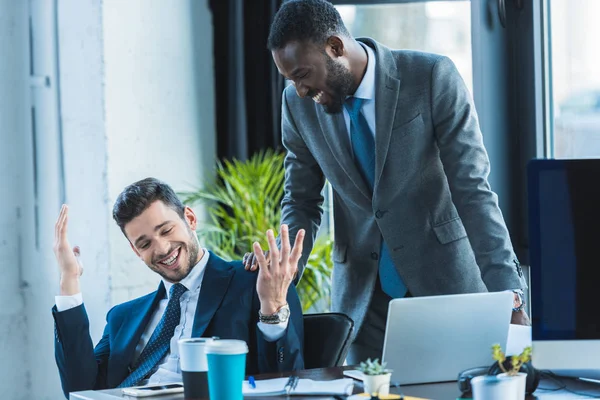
(438, 391)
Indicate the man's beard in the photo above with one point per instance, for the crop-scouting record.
(340, 81)
(192, 248)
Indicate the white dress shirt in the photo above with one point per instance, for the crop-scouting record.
(365, 91)
(169, 370)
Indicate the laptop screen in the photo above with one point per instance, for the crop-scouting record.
(564, 245)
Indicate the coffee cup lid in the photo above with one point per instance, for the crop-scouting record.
(195, 341)
(227, 346)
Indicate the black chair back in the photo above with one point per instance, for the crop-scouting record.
(326, 339)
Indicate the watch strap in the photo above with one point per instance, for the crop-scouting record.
(272, 318)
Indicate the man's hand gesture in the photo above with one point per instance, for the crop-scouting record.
(67, 257)
(276, 275)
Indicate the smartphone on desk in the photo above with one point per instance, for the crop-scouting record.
(154, 390)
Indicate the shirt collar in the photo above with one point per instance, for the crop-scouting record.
(366, 89)
(193, 280)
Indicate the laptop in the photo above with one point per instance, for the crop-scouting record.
(432, 339)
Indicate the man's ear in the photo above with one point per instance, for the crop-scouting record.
(190, 218)
(137, 253)
(336, 47)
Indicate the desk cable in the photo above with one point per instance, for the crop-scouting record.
(561, 385)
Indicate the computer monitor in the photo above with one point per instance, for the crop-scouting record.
(564, 246)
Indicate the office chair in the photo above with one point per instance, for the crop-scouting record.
(326, 339)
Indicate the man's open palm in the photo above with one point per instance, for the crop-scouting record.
(67, 257)
(275, 277)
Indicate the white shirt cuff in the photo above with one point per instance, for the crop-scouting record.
(64, 303)
(273, 332)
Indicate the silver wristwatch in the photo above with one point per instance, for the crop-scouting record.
(520, 304)
(280, 315)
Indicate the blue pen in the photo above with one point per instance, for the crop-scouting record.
(251, 382)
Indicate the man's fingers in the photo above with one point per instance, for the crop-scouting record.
(285, 245)
(260, 257)
(62, 224)
(273, 246)
(298, 245)
(59, 222)
(245, 261)
(65, 224)
(254, 265)
(77, 253)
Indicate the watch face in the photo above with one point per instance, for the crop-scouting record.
(284, 314)
(518, 301)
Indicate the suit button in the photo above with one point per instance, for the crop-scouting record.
(375, 256)
(379, 214)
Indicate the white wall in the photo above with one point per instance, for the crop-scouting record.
(14, 112)
(81, 60)
(136, 99)
(159, 109)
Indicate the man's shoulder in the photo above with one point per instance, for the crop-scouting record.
(243, 276)
(401, 58)
(239, 274)
(415, 56)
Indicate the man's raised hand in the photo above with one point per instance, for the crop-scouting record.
(67, 257)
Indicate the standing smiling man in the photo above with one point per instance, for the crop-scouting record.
(396, 134)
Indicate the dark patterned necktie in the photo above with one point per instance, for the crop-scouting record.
(158, 345)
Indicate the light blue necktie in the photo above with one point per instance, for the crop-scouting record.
(158, 345)
(363, 147)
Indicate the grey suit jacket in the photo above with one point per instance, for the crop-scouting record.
(431, 203)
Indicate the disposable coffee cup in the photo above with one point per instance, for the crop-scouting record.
(194, 367)
(226, 368)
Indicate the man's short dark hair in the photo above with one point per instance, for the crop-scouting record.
(305, 20)
(138, 196)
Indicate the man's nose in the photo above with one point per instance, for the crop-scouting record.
(162, 248)
(301, 90)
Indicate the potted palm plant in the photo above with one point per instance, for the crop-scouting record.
(242, 203)
(376, 377)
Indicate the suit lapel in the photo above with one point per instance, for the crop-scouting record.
(133, 326)
(386, 99)
(336, 135)
(217, 277)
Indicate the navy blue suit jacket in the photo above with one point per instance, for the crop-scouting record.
(227, 307)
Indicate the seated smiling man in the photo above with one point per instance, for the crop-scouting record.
(200, 295)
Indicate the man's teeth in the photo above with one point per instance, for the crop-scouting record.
(170, 260)
(317, 97)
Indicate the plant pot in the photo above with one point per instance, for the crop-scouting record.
(489, 387)
(521, 378)
(379, 384)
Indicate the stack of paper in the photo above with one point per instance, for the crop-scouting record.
(276, 387)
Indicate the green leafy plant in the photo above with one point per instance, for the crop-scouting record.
(242, 204)
(372, 367)
(515, 361)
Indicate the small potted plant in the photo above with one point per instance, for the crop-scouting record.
(511, 368)
(376, 377)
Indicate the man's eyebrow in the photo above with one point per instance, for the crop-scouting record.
(157, 227)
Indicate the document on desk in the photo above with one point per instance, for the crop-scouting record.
(277, 387)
